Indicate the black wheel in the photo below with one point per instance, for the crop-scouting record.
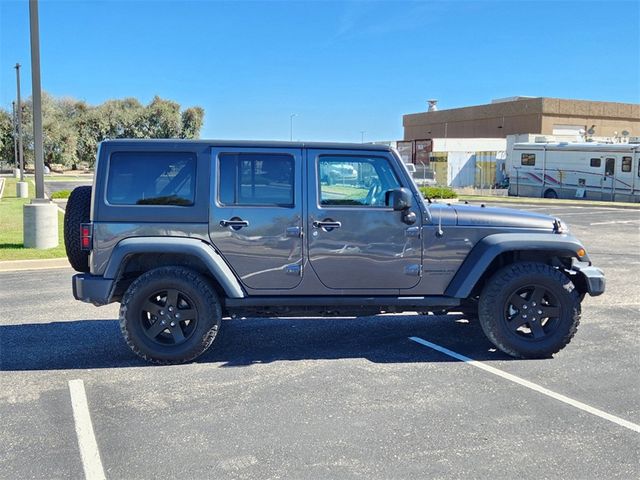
(529, 310)
(550, 193)
(77, 211)
(170, 315)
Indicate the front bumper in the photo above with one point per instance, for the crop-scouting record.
(593, 277)
(92, 288)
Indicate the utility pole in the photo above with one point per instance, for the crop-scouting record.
(19, 101)
(37, 97)
(291, 126)
(362, 132)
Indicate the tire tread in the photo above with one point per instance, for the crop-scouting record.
(199, 283)
(493, 290)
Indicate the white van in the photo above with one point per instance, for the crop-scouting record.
(596, 171)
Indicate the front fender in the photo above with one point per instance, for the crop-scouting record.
(487, 249)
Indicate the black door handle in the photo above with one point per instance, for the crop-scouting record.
(326, 224)
(234, 223)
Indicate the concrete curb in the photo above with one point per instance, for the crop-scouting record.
(550, 202)
(39, 264)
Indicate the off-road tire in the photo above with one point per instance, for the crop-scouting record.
(498, 294)
(190, 284)
(77, 211)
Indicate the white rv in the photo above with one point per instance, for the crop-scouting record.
(596, 171)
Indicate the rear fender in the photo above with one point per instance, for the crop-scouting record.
(184, 246)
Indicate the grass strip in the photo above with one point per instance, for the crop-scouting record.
(11, 227)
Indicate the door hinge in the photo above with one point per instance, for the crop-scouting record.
(414, 270)
(294, 232)
(293, 269)
(413, 232)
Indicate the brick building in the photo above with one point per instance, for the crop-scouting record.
(517, 115)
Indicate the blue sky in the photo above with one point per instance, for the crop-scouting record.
(342, 67)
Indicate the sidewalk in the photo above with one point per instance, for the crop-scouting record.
(40, 264)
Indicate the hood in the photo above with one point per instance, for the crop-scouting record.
(475, 215)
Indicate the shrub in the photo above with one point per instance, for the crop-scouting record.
(61, 194)
(438, 192)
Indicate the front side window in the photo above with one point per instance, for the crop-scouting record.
(255, 179)
(355, 181)
(151, 178)
(528, 159)
(626, 164)
(595, 162)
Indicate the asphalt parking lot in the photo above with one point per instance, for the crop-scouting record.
(326, 398)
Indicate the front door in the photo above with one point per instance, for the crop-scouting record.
(256, 214)
(610, 177)
(355, 241)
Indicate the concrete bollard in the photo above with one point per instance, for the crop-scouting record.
(22, 190)
(40, 224)
(16, 173)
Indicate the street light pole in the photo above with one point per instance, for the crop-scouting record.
(19, 101)
(14, 134)
(40, 217)
(291, 126)
(362, 132)
(37, 97)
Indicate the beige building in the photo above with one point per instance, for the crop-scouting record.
(516, 115)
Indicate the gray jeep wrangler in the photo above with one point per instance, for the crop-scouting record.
(184, 233)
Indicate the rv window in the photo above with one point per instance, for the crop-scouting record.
(528, 159)
(595, 162)
(626, 164)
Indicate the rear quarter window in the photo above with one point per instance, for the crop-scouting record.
(151, 178)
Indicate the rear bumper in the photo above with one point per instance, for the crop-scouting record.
(593, 277)
(92, 288)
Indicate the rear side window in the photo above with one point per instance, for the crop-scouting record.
(528, 159)
(151, 178)
(626, 164)
(250, 179)
(595, 162)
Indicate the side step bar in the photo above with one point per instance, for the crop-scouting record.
(342, 301)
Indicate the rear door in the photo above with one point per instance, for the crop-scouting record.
(256, 214)
(355, 241)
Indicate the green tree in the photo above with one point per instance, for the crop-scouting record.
(72, 129)
(6, 138)
(192, 119)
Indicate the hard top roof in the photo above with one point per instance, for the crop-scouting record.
(252, 143)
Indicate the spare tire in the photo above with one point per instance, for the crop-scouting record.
(78, 211)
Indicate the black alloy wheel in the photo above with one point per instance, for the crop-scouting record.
(532, 312)
(169, 317)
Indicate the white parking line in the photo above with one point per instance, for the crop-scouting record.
(84, 430)
(525, 383)
(613, 222)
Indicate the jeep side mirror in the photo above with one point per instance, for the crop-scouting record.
(399, 199)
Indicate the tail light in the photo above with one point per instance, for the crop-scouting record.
(86, 236)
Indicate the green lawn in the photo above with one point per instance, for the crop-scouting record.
(11, 227)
